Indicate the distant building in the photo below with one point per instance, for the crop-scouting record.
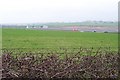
(44, 26)
(27, 27)
(35, 27)
(81, 31)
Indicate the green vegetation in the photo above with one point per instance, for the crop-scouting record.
(20, 38)
(45, 54)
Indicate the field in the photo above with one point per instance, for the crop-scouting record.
(42, 50)
(20, 38)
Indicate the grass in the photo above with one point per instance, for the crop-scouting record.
(95, 62)
(20, 38)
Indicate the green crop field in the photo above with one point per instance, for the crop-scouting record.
(37, 52)
(34, 39)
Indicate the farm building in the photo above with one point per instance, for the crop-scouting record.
(27, 27)
(36, 26)
(44, 26)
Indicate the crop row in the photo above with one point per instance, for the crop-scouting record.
(52, 66)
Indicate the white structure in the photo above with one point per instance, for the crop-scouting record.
(81, 31)
(27, 27)
(45, 27)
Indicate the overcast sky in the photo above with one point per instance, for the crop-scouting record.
(30, 11)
